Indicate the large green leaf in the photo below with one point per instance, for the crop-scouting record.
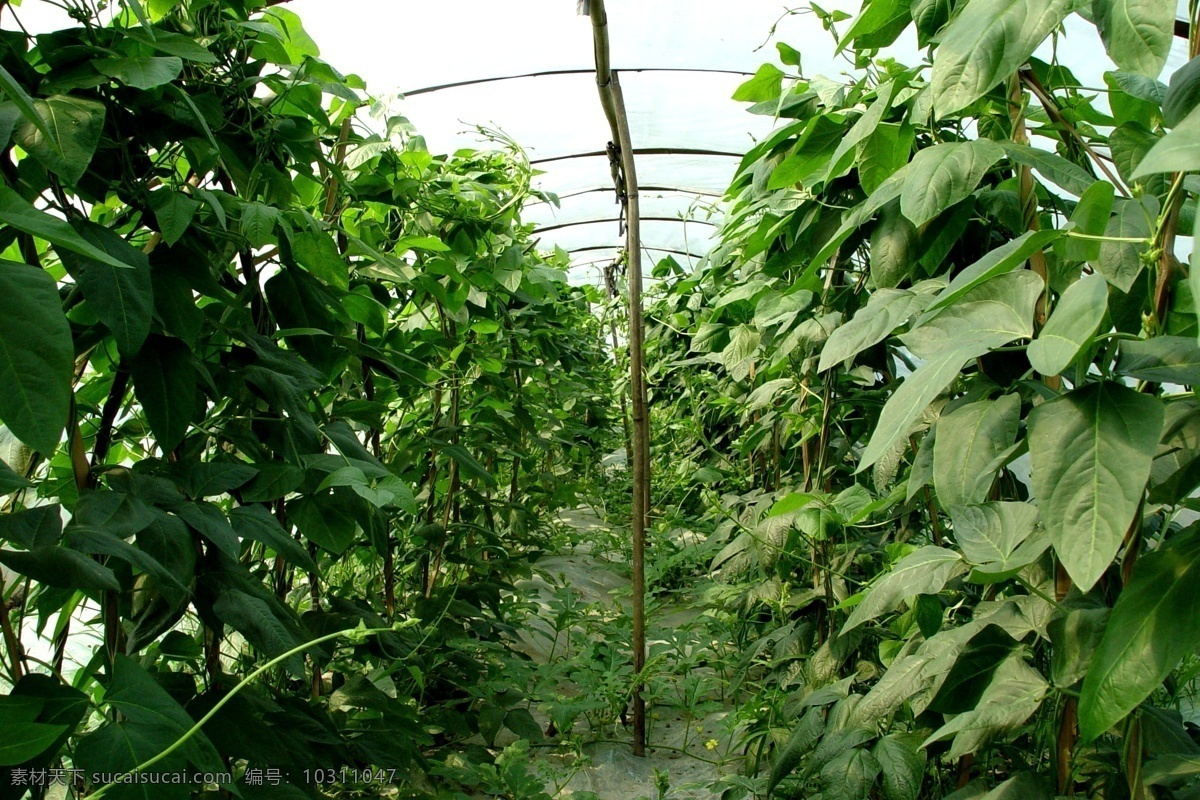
(1183, 95)
(849, 776)
(1120, 262)
(1176, 469)
(61, 567)
(123, 299)
(97, 541)
(973, 670)
(926, 571)
(1071, 327)
(24, 740)
(20, 214)
(804, 737)
(144, 72)
(914, 395)
(842, 157)
(1154, 624)
(1063, 173)
(1014, 693)
(325, 520)
(942, 175)
(894, 245)
(24, 103)
(970, 442)
(993, 313)
(174, 212)
(1178, 151)
(165, 382)
(902, 764)
(886, 310)
(986, 43)
(36, 357)
(1091, 451)
(882, 153)
(1090, 217)
(40, 526)
(998, 537)
(142, 701)
(74, 125)
(254, 618)
(256, 523)
(1004, 258)
(1136, 33)
(1163, 359)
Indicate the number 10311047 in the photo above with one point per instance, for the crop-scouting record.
(345, 775)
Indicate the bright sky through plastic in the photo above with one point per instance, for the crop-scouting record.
(404, 46)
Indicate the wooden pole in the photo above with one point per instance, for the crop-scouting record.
(613, 102)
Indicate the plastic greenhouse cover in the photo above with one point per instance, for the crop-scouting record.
(458, 65)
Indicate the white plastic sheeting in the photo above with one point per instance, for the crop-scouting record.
(679, 60)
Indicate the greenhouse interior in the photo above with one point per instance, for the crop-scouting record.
(586, 400)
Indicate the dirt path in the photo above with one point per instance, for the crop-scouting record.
(581, 603)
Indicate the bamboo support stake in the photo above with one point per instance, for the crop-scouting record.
(614, 109)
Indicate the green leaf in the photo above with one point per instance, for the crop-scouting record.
(24, 740)
(16, 212)
(10, 481)
(32, 528)
(62, 568)
(886, 310)
(145, 72)
(256, 523)
(739, 354)
(804, 737)
(254, 618)
(985, 44)
(894, 246)
(1178, 151)
(174, 44)
(914, 395)
(998, 537)
(973, 670)
(1163, 359)
(522, 723)
(1062, 173)
(1154, 624)
(324, 521)
(902, 764)
(1176, 469)
(1023, 786)
(849, 776)
(994, 312)
(1071, 327)
(210, 522)
(884, 151)
(174, 212)
(258, 223)
(317, 253)
(1075, 637)
(97, 541)
(468, 463)
(165, 383)
(1121, 262)
(942, 175)
(1183, 95)
(970, 441)
(840, 163)
(37, 357)
(133, 692)
(766, 85)
(1014, 694)
(74, 128)
(1003, 259)
(123, 298)
(1091, 451)
(24, 103)
(214, 478)
(926, 571)
(1136, 33)
(1091, 217)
